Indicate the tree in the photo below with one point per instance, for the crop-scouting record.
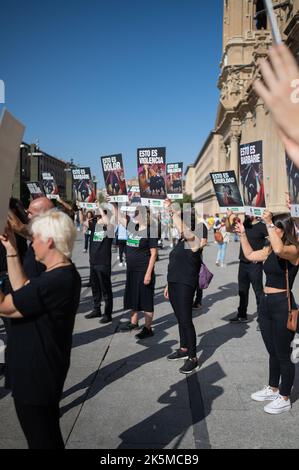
(187, 199)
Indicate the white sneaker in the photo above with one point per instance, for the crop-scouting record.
(278, 406)
(217, 263)
(222, 265)
(266, 394)
(120, 264)
(117, 257)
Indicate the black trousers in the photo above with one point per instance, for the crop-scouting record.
(181, 299)
(40, 424)
(249, 273)
(86, 241)
(122, 244)
(273, 316)
(101, 288)
(198, 296)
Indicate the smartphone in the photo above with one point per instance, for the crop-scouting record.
(273, 22)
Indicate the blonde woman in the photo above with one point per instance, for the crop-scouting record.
(42, 312)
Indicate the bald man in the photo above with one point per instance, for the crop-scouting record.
(39, 206)
(31, 266)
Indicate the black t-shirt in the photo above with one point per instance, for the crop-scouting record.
(184, 264)
(39, 345)
(31, 267)
(256, 236)
(100, 245)
(21, 247)
(138, 251)
(3, 260)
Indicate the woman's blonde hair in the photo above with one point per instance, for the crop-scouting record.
(59, 227)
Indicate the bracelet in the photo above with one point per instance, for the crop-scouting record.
(12, 256)
(242, 234)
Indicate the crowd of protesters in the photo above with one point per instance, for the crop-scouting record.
(40, 285)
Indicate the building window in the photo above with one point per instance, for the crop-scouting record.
(261, 15)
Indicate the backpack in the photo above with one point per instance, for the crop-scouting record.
(218, 237)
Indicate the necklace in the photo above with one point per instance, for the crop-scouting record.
(54, 265)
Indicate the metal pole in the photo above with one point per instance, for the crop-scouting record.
(273, 22)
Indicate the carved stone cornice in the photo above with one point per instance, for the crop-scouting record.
(235, 131)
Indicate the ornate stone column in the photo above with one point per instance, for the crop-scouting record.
(235, 135)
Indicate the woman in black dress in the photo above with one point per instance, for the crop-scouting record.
(141, 256)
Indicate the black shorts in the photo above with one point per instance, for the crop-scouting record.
(138, 296)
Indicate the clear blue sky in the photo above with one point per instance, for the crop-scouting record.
(98, 77)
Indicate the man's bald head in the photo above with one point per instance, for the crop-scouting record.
(39, 206)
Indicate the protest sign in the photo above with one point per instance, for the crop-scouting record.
(151, 163)
(83, 188)
(174, 180)
(36, 189)
(227, 191)
(50, 186)
(114, 177)
(11, 135)
(293, 186)
(252, 179)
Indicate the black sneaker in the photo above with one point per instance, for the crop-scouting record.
(145, 333)
(94, 314)
(106, 319)
(238, 319)
(129, 327)
(177, 355)
(189, 366)
(196, 306)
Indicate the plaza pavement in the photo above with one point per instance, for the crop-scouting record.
(121, 394)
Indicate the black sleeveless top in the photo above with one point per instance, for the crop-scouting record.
(184, 264)
(275, 270)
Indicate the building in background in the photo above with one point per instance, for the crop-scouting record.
(32, 163)
(241, 115)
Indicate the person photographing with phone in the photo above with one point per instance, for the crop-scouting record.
(280, 264)
(42, 313)
(182, 280)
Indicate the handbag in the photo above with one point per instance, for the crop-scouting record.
(205, 277)
(218, 237)
(292, 323)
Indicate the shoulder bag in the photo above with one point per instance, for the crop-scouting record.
(292, 323)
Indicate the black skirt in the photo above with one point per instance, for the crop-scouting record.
(138, 296)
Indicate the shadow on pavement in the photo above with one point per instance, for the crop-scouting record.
(172, 422)
(99, 379)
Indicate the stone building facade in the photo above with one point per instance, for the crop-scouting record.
(242, 116)
(32, 163)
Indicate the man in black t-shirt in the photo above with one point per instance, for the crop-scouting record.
(100, 266)
(250, 273)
